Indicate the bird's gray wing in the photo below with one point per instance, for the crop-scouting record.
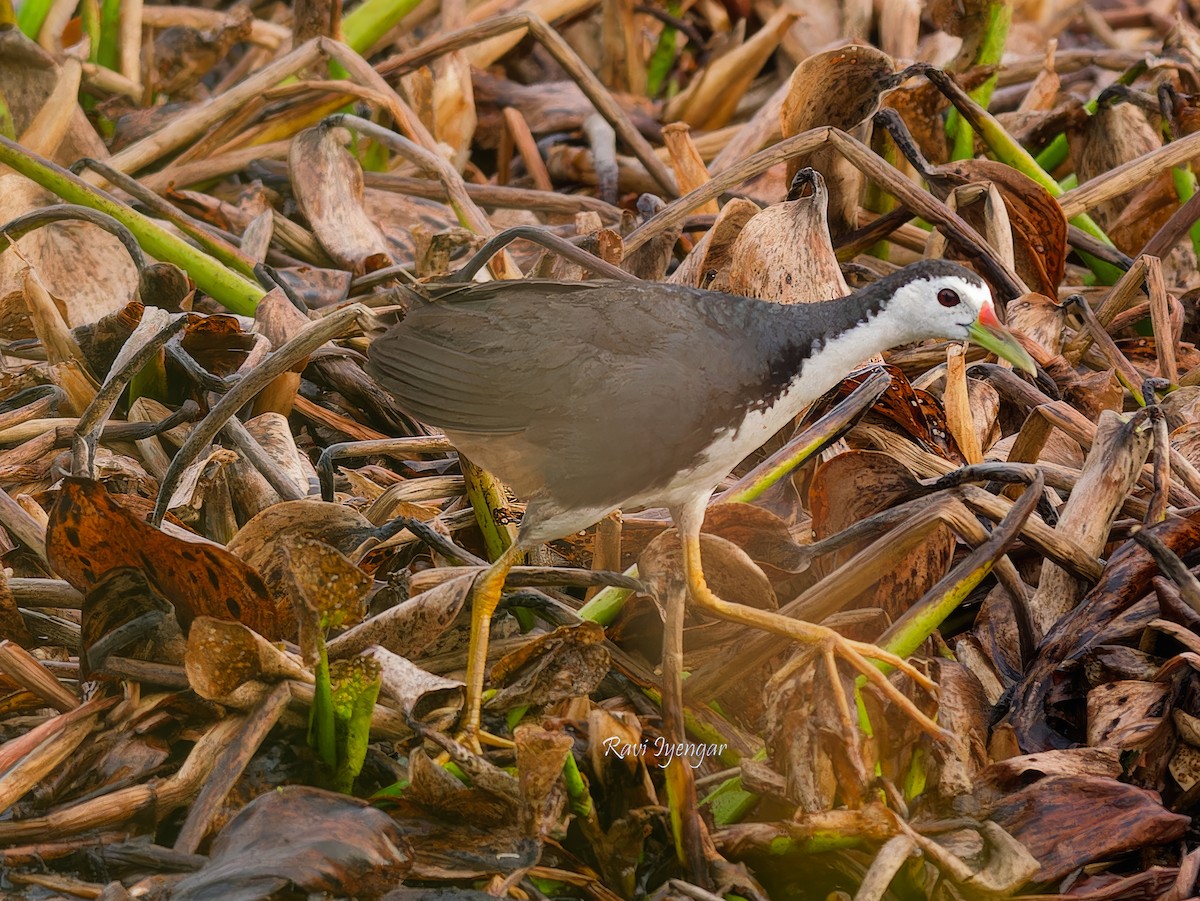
(596, 388)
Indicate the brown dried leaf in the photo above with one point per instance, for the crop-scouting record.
(1055, 818)
(306, 839)
(840, 88)
(1126, 714)
(785, 254)
(917, 413)
(567, 663)
(858, 484)
(409, 628)
(90, 534)
(12, 624)
(708, 264)
(328, 183)
(223, 656)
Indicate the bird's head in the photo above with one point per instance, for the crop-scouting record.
(940, 299)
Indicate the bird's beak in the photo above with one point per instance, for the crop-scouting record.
(989, 333)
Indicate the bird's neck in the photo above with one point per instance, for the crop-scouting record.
(838, 335)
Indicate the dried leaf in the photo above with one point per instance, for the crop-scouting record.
(90, 534)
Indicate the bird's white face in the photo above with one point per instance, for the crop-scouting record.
(942, 306)
(958, 307)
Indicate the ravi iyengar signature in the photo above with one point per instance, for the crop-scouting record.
(662, 750)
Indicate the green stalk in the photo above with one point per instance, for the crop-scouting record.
(108, 51)
(89, 20)
(8, 128)
(991, 49)
(367, 23)
(235, 293)
(1185, 188)
(488, 500)
(729, 802)
(577, 790)
(32, 16)
(322, 733)
(607, 602)
(663, 57)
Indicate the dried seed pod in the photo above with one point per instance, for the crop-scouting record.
(840, 88)
(784, 253)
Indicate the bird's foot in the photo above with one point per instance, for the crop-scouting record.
(861, 655)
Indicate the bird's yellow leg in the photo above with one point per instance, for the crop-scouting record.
(485, 597)
(857, 653)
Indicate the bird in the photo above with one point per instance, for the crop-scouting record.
(593, 396)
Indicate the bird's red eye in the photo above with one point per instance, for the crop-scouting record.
(948, 297)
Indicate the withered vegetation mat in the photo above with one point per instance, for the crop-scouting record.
(237, 578)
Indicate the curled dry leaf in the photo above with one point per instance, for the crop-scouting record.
(217, 343)
(328, 183)
(1038, 318)
(263, 542)
(840, 88)
(183, 55)
(90, 534)
(12, 624)
(223, 656)
(409, 628)
(709, 262)
(1039, 228)
(785, 254)
(541, 754)
(422, 696)
(1116, 134)
(764, 536)
(567, 663)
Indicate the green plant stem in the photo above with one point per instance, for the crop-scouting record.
(8, 128)
(663, 57)
(1185, 189)
(32, 16)
(991, 49)
(577, 789)
(234, 292)
(89, 19)
(108, 51)
(322, 731)
(367, 23)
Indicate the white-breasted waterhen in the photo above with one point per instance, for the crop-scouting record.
(588, 397)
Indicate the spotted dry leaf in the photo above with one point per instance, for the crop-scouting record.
(918, 414)
(327, 581)
(90, 534)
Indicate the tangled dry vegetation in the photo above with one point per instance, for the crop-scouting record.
(224, 574)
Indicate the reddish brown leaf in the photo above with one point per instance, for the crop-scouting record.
(90, 534)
